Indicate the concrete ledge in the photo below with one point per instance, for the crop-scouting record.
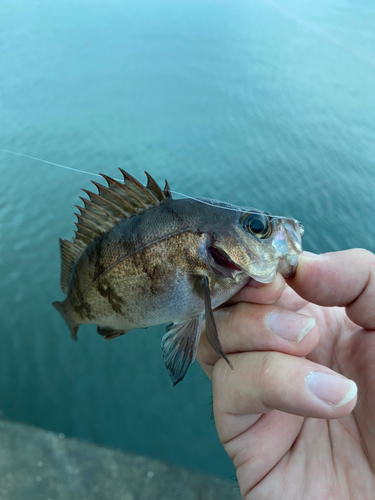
(40, 465)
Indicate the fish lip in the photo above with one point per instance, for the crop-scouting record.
(261, 279)
(233, 268)
(287, 237)
(287, 266)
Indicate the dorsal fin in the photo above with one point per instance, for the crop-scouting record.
(114, 203)
(167, 190)
(154, 188)
(104, 210)
(139, 192)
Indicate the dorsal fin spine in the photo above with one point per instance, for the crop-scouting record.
(94, 208)
(126, 189)
(109, 203)
(167, 190)
(84, 231)
(85, 212)
(92, 216)
(130, 178)
(154, 187)
(91, 204)
(111, 194)
(104, 210)
(88, 223)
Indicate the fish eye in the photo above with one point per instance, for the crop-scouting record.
(257, 224)
(301, 229)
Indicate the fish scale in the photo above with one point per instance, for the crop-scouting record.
(140, 258)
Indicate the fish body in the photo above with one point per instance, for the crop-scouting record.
(167, 261)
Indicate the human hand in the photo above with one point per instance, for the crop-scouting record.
(287, 420)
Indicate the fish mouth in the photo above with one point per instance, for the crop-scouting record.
(221, 264)
(224, 267)
(287, 266)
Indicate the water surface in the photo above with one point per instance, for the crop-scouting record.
(257, 102)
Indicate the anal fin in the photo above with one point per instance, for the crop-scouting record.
(109, 333)
(179, 346)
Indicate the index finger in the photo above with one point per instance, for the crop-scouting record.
(345, 278)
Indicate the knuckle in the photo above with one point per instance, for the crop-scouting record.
(219, 372)
(269, 367)
(366, 255)
(236, 316)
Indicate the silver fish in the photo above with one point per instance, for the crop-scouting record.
(140, 258)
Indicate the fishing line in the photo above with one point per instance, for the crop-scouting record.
(319, 32)
(210, 203)
(49, 162)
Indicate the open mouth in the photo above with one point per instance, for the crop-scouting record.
(222, 265)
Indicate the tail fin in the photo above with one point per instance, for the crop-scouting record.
(73, 326)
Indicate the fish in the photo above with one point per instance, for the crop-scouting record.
(140, 258)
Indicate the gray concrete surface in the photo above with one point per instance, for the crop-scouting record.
(40, 465)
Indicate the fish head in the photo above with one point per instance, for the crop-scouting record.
(260, 245)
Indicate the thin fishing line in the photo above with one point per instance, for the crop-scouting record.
(320, 32)
(49, 162)
(212, 203)
(84, 171)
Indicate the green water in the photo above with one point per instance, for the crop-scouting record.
(262, 103)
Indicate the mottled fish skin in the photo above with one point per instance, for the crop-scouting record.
(158, 287)
(172, 263)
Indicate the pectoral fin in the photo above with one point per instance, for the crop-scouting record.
(211, 330)
(179, 346)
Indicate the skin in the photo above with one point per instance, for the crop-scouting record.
(285, 442)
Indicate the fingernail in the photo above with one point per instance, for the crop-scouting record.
(332, 389)
(255, 284)
(292, 327)
(222, 314)
(312, 255)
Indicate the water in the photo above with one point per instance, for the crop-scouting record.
(257, 102)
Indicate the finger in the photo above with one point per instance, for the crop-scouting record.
(256, 448)
(359, 364)
(291, 300)
(259, 406)
(264, 381)
(344, 278)
(252, 327)
(260, 293)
